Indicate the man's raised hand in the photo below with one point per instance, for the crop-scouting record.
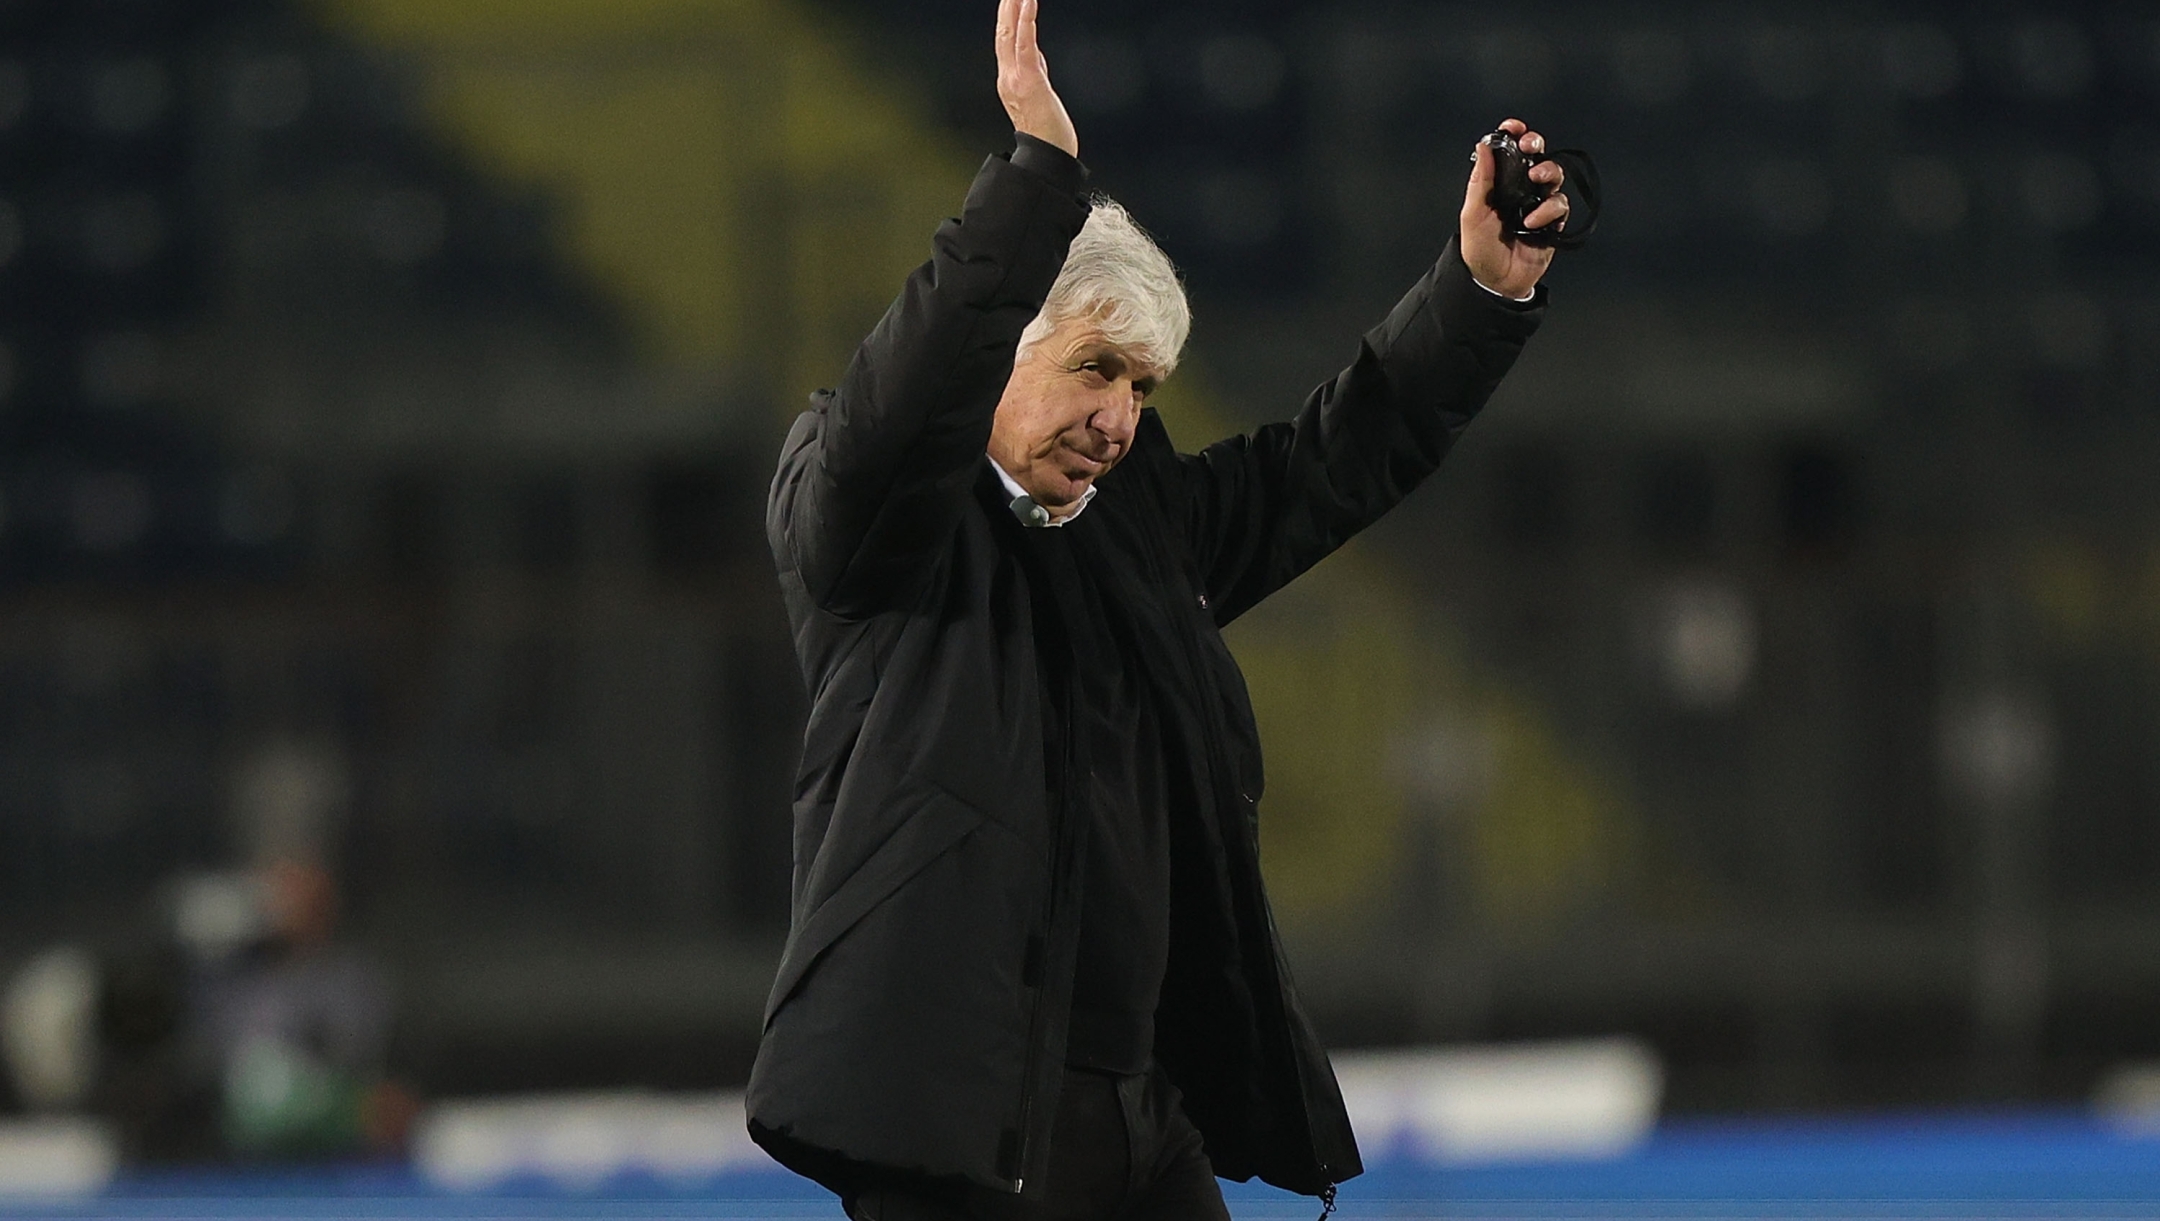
(1502, 264)
(1024, 79)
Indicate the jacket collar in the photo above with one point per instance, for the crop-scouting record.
(1024, 507)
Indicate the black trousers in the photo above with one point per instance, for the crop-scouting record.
(1121, 1149)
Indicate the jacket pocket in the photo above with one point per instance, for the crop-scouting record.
(923, 834)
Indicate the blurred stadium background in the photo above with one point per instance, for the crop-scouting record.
(389, 651)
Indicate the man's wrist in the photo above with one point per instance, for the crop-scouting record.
(1525, 299)
(1049, 162)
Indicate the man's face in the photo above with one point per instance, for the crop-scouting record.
(1068, 413)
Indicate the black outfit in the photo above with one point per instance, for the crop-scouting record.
(1124, 1148)
(953, 788)
(1125, 896)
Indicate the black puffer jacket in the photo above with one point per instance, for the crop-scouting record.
(918, 1020)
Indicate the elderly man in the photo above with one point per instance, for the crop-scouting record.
(1032, 972)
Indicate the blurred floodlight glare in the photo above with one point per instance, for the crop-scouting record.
(1998, 750)
(1928, 194)
(1449, 762)
(130, 96)
(2139, 174)
(1933, 333)
(1241, 72)
(1703, 636)
(48, 1024)
(270, 92)
(256, 507)
(123, 232)
(1786, 63)
(122, 368)
(1102, 74)
(1790, 196)
(289, 798)
(404, 225)
(14, 93)
(110, 510)
(1368, 70)
(2052, 58)
(99, 657)
(11, 232)
(1920, 60)
(271, 228)
(1239, 208)
(1651, 68)
(2060, 191)
(1514, 66)
(217, 914)
(2070, 330)
(98, 799)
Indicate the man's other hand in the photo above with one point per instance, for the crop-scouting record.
(1024, 79)
(1502, 264)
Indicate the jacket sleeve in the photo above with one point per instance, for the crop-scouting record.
(1264, 507)
(875, 475)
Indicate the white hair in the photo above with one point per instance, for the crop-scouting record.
(1116, 275)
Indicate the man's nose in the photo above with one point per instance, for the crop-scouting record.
(1117, 419)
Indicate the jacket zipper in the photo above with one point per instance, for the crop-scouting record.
(1250, 811)
(1031, 1067)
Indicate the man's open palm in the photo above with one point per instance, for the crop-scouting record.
(1024, 79)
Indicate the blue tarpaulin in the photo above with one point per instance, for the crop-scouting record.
(1924, 1166)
